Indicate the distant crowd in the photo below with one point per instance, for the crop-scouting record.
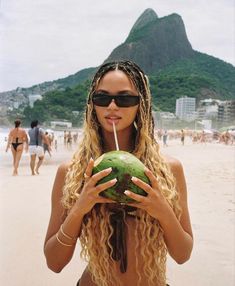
(227, 137)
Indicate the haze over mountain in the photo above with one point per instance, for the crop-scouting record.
(161, 47)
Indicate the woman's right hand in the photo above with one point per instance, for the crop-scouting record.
(90, 194)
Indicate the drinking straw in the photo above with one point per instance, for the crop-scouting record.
(115, 136)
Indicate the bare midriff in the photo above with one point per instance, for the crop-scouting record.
(130, 277)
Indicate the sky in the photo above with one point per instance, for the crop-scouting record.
(44, 40)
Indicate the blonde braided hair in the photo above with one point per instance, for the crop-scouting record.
(96, 229)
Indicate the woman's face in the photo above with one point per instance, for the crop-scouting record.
(116, 83)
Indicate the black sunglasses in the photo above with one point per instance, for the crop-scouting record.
(124, 100)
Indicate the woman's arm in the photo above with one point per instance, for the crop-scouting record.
(177, 233)
(9, 140)
(58, 255)
(26, 141)
(59, 243)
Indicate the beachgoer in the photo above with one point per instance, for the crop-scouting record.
(227, 137)
(56, 144)
(37, 137)
(75, 137)
(194, 137)
(203, 137)
(69, 140)
(65, 138)
(124, 244)
(182, 136)
(164, 138)
(16, 140)
(45, 144)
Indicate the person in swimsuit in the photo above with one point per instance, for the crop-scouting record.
(123, 244)
(16, 140)
(46, 146)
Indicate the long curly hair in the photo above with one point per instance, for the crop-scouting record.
(96, 228)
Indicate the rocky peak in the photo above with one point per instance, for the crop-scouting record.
(145, 18)
(154, 43)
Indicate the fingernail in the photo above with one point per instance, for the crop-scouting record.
(114, 180)
(127, 192)
(109, 169)
(134, 179)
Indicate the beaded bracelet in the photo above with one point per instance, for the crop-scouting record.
(66, 235)
(61, 242)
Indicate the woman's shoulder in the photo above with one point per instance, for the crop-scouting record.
(22, 130)
(174, 164)
(11, 131)
(60, 176)
(63, 168)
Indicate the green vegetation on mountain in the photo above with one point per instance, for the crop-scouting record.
(201, 76)
(196, 77)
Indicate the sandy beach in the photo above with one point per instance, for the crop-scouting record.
(25, 211)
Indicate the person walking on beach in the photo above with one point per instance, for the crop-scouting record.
(17, 138)
(69, 140)
(46, 147)
(182, 136)
(124, 244)
(36, 136)
(164, 138)
(203, 137)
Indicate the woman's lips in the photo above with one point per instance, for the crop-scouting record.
(111, 119)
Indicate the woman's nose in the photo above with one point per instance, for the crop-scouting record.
(113, 105)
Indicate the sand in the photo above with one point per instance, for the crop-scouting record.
(25, 211)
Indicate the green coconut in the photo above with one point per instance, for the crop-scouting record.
(124, 166)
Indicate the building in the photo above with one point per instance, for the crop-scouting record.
(226, 112)
(62, 123)
(185, 108)
(208, 108)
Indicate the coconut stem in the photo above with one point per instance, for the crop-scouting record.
(115, 136)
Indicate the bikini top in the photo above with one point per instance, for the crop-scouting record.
(118, 238)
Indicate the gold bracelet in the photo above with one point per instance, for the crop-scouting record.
(61, 242)
(66, 235)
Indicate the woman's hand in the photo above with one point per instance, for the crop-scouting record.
(90, 194)
(154, 203)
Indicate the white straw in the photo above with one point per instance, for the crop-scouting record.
(115, 136)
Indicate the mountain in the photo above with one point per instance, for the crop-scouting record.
(154, 43)
(161, 47)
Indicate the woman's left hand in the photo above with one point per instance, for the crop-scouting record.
(154, 203)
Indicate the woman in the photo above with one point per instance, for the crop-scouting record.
(16, 140)
(160, 223)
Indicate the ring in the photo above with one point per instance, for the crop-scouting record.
(86, 176)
